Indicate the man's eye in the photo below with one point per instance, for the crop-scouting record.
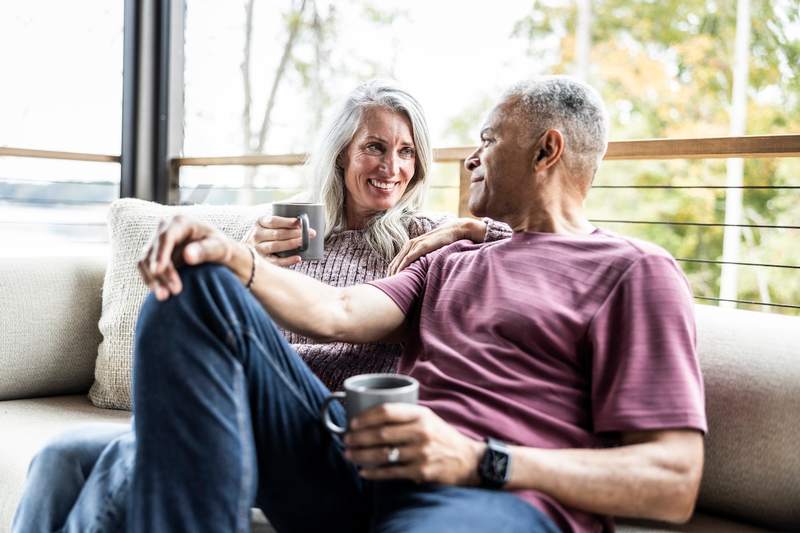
(486, 141)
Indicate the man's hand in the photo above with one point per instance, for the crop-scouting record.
(462, 228)
(273, 234)
(431, 450)
(181, 240)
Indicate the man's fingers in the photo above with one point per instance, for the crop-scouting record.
(399, 471)
(379, 455)
(387, 413)
(211, 250)
(382, 436)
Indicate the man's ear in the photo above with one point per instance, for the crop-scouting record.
(548, 150)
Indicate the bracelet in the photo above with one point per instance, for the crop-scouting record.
(252, 268)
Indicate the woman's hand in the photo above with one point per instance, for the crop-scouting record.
(461, 228)
(273, 234)
(430, 449)
(181, 240)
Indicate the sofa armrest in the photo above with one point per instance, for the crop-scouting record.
(49, 309)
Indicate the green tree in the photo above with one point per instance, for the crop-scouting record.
(665, 69)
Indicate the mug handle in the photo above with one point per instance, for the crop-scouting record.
(326, 415)
(303, 217)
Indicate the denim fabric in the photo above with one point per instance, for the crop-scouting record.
(78, 483)
(228, 414)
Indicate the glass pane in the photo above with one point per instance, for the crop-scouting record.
(62, 91)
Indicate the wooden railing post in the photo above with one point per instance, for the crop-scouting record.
(463, 191)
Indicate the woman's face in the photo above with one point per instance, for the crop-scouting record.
(378, 164)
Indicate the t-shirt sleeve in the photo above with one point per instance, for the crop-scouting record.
(407, 286)
(645, 371)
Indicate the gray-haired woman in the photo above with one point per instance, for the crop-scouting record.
(371, 171)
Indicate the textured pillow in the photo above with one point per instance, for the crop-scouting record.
(132, 224)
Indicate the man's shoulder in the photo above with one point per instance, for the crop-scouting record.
(632, 248)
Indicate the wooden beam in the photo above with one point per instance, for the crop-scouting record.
(281, 159)
(50, 154)
(463, 192)
(706, 148)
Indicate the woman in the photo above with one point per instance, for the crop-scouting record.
(371, 169)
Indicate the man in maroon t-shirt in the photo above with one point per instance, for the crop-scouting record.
(558, 365)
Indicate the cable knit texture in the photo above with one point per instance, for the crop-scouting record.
(348, 261)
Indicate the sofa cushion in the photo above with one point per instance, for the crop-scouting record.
(26, 426)
(751, 370)
(49, 307)
(132, 224)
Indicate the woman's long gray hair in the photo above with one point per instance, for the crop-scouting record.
(387, 231)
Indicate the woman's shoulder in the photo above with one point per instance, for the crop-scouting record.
(422, 223)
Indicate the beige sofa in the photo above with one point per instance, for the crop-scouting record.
(49, 309)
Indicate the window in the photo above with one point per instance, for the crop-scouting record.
(62, 91)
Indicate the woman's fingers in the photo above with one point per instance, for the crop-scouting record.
(276, 222)
(268, 248)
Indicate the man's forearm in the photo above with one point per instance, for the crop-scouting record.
(657, 480)
(297, 302)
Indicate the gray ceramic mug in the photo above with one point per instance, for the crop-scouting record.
(365, 391)
(310, 216)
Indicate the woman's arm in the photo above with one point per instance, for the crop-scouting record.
(448, 232)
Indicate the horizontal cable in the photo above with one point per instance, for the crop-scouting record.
(746, 187)
(704, 224)
(748, 302)
(738, 263)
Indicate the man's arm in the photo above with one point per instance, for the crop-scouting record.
(361, 313)
(353, 314)
(653, 474)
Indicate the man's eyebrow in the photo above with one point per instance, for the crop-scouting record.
(486, 130)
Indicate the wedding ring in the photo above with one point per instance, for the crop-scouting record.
(393, 455)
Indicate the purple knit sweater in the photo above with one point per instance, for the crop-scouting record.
(348, 261)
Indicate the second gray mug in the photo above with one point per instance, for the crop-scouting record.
(311, 216)
(368, 390)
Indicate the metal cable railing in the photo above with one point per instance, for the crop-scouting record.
(772, 146)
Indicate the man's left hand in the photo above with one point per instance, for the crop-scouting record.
(430, 449)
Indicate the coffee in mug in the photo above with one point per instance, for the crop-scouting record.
(311, 216)
(365, 391)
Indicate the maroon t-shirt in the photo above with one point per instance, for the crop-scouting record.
(552, 341)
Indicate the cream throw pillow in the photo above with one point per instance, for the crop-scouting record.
(131, 225)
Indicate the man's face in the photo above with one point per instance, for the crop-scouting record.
(501, 167)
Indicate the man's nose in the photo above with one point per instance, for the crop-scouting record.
(472, 162)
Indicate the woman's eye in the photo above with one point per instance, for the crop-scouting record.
(408, 152)
(375, 147)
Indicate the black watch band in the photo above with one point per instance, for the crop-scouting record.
(494, 468)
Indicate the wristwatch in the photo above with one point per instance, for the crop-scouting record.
(494, 469)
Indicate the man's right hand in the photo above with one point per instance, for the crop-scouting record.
(273, 234)
(183, 241)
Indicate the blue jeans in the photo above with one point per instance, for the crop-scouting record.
(79, 482)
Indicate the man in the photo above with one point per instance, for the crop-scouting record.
(559, 380)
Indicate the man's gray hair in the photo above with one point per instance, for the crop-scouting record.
(571, 107)
(387, 231)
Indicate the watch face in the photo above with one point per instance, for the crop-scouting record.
(494, 468)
